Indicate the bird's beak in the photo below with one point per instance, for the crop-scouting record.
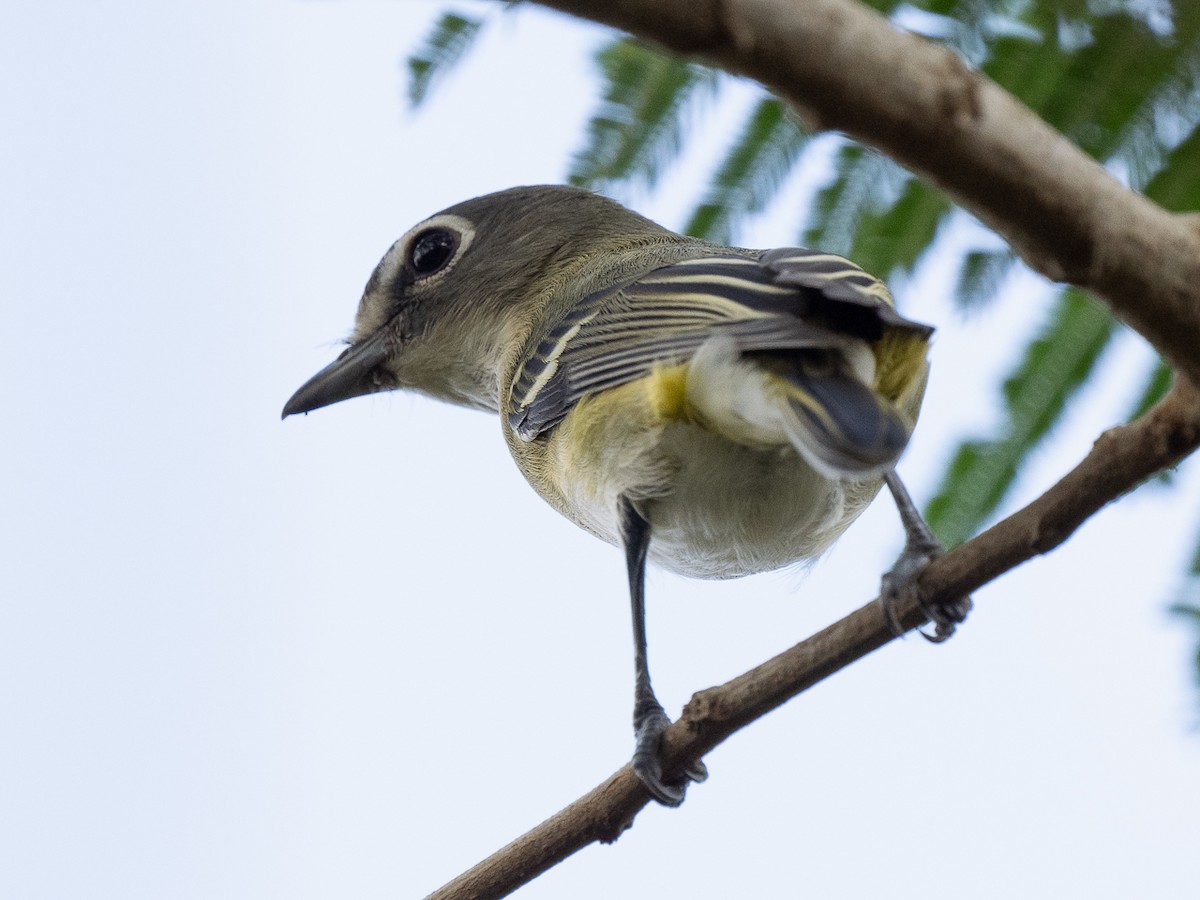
(359, 370)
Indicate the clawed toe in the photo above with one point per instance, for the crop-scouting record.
(921, 548)
(647, 762)
(946, 617)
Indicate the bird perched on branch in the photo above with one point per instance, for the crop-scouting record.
(717, 410)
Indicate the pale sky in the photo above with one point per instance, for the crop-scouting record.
(350, 654)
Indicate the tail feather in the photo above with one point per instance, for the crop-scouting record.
(818, 401)
(839, 424)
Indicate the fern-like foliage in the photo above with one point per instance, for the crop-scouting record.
(1051, 370)
(865, 183)
(444, 46)
(982, 273)
(754, 168)
(639, 125)
(1188, 607)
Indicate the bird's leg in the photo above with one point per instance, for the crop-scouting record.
(920, 548)
(649, 718)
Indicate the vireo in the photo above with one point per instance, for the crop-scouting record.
(721, 411)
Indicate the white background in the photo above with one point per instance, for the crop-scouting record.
(350, 654)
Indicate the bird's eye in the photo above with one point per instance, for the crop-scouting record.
(430, 251)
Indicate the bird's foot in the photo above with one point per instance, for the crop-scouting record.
(946, 617)
(649, 723)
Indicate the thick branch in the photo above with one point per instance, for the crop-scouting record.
(1120, 460)
(844, 67)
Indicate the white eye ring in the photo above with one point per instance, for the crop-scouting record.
(459, 234)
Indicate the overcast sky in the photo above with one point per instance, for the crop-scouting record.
(241, 658)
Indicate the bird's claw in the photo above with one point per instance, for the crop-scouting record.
(946, 617)
(647, 761)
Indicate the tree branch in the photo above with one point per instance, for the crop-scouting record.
(846, 68)
(1121, 459)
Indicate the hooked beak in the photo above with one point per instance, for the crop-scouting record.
(358, 371)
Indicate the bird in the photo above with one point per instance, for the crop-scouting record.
(718, 411)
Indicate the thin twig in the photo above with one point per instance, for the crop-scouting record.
(1119, 461)
(846, 68)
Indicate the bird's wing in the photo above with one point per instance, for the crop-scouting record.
(788, 299)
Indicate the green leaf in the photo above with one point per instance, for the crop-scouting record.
(1031, 70)
(981, 275)
(884, 6)
(1176, 186)
(1106, 84)
(1188, 611)
(751, 174)
(1120, 94)
(444, 46)
(895, 237)
(1156, 388)
(863, 181)
(1052, 369)
(1189, 606)
(639, 126)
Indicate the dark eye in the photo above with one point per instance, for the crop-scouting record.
(431, 250)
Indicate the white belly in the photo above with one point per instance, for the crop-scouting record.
(734, 510)
(717, 509)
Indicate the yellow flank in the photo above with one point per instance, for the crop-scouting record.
(666, 390)
(899, 358)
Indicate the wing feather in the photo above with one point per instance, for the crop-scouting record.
(788, 299)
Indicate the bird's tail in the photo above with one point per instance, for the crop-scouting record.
(842, 426)
(816, 400)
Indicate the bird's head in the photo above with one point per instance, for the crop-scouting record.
(462, 289)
